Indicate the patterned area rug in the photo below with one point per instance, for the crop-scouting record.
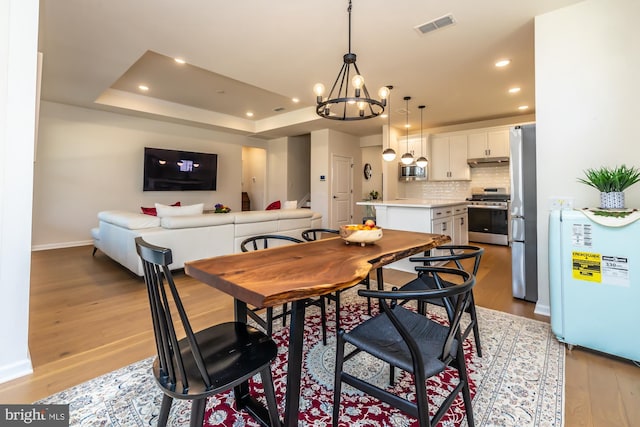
(518, 382)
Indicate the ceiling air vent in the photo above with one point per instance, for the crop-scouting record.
(435, 24)
(278, 109)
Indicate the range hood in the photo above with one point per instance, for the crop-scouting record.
(488, 161)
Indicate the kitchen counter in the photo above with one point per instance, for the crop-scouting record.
(438, 216)
(414, 203)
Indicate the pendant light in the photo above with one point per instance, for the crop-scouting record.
(422, 161)
(389, 154)
(407, 158)
(343, 105)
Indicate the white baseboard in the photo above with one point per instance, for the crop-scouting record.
(15, 370)
(61, 245)
(542, 310)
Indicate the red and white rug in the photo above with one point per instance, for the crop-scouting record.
(518, 382)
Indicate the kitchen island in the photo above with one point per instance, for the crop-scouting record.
(440, 216)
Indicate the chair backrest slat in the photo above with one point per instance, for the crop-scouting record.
(263, 241)
(158, 278)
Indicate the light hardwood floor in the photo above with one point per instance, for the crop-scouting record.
(90, 316)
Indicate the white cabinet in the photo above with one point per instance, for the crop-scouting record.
(460, 226)
(449, 158)
(493, 143)
(416, 146)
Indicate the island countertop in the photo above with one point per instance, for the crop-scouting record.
(414, 203)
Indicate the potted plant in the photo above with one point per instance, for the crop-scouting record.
(373, 194)
(611, 182)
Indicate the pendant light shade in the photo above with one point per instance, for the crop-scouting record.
(407, 158)
(422, 161)
(389, 154)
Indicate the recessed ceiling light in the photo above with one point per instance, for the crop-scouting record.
(407, 126)
(143, 88)
(180, 60)
(295, 100)
(523, 107)
(503, 63)
(249, 114)
(514, 90)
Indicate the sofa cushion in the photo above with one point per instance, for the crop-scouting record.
(129, 220)
(295, 213)
(256, 216)
(191, 221)
(164, 210)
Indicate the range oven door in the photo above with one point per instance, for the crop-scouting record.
(489, 224)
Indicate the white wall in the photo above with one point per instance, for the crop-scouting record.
(324, 144)
(587, 86)
(90, 160)
(18, 64)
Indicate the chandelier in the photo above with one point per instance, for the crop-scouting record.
(340, 105)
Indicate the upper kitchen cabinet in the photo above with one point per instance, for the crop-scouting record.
(449, 158)
(488, 144)
(414, 145)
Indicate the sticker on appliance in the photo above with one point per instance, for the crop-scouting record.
(586, 266)
(581, 235)
(615, 270)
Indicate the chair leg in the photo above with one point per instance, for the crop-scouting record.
(197, 412)
(338, 306)
(94, 251)
(422, 402)
(285, 307)
(269, 327)
(367, 284)
(323, 320)
(270, 396)
(476, 329)
(164, 410)
(466, 394)
(337, 383)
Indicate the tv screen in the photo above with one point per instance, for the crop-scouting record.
(175, 170)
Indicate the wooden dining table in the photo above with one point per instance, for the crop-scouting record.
(294, 273)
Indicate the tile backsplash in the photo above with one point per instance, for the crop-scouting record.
(496, 176)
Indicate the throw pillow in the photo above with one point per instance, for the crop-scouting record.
(164, 210)
(290, 204)
(274, 205)
(152, 211)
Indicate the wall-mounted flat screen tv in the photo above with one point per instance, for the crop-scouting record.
(176, 170)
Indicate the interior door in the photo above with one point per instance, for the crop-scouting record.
(341, 191)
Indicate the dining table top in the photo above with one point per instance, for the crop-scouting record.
(282, 274)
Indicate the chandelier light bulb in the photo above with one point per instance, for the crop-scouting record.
(357, 81)
(384, 92)
(318, 89)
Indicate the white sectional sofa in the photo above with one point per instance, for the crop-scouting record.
(193, 237)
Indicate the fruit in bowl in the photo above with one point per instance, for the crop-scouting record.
(361, 233)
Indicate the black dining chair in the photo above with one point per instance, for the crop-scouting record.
(447, 254)
(266, 241)
(316, 233)
(204, 363)
(413, 342)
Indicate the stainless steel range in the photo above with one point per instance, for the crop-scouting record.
(489, 220)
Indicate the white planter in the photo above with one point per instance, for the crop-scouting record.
(613, 200)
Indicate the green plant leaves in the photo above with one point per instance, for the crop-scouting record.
(609, 180)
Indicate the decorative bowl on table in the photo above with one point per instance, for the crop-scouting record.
(360, 233)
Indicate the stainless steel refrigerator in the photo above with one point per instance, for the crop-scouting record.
(524, 245)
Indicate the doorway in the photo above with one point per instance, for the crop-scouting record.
(341, 191)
